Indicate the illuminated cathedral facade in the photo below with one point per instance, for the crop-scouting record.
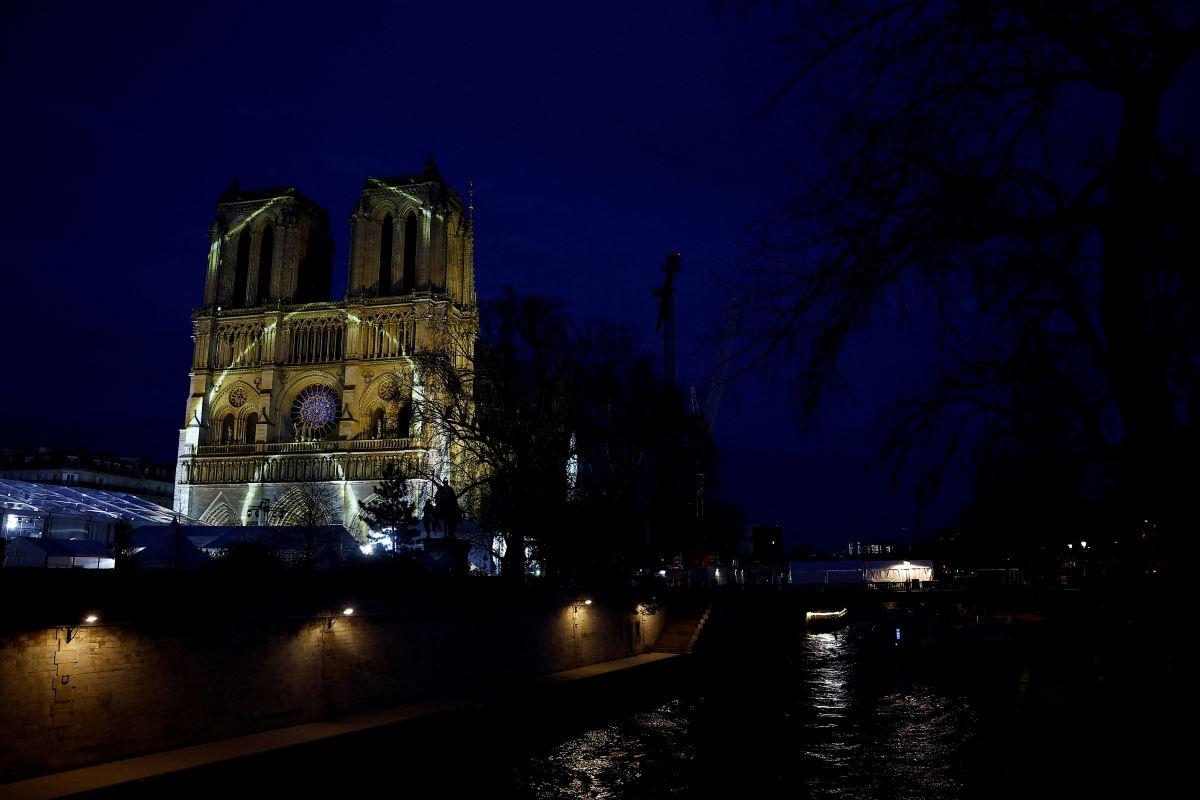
(297, 398)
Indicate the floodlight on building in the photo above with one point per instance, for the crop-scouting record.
(348, 611)
(91, 619)
(587, 601)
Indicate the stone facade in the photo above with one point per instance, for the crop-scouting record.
(98, 693)
(294, 393)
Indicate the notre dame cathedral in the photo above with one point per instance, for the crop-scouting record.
(295, 395)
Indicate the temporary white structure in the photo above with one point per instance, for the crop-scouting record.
(65, 512)
(895, 571)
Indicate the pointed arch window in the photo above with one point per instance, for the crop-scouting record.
(385, 255)
(410, 252)
(227, 429)
(241, 269)
(249, 427)
(403, 420)
(266, 257)
(378, 424)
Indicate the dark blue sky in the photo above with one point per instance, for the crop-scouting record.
(599, 137)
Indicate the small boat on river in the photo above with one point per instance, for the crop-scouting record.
(824, 620)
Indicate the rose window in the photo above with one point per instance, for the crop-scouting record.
(315, 412)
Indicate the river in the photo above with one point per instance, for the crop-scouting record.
(823, 717)
(902, 703)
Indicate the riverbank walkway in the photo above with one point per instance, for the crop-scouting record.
(103, 776)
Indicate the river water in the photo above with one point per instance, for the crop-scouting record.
(825, 715)
(903, 703)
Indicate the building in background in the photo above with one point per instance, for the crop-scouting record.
(67, 512)
(869, 549)
(79, 468)
(871, 573)
(297, 401)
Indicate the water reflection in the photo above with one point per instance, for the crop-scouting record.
(638, 755)
(873, 730)
(833, 717)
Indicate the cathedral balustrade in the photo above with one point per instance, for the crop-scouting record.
(388, 335)
(296, 468)
(240, 344)
(315, 340)
(273, 448)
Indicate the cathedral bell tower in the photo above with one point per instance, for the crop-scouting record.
(296, 398)
(267, 246)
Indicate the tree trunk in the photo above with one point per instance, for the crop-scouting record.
(1136, 364)
(513, 562)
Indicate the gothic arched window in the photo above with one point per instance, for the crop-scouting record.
(385, 256)
(227, 429)
(378, 424)
(410, 252)
(403, 420)
(266, 254)
(249, 427)
(241, 269)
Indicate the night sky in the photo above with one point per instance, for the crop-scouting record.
(599, 137)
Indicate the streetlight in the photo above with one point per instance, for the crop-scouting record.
(91, 618)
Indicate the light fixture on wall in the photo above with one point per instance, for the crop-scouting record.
(90, 618)
(347, 611)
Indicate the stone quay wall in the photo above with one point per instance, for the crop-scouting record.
(115, 691)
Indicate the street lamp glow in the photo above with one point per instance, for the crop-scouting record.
(91, 619)
(348, 611)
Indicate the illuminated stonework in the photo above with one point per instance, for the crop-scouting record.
(289, 387)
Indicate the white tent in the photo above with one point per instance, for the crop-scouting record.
(897, 571)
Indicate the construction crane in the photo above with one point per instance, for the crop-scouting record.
(666, 316)
(717, 386)
(707, 421)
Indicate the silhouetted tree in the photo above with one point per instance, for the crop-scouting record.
(952, 172)
(389, 512)
(314, 537)
(505, 412)
(121, 546)
(566, 439)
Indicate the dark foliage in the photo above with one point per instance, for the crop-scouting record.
(577, 453)
(956, 179)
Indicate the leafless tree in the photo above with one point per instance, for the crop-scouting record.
(313, 536)
(954, 176)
